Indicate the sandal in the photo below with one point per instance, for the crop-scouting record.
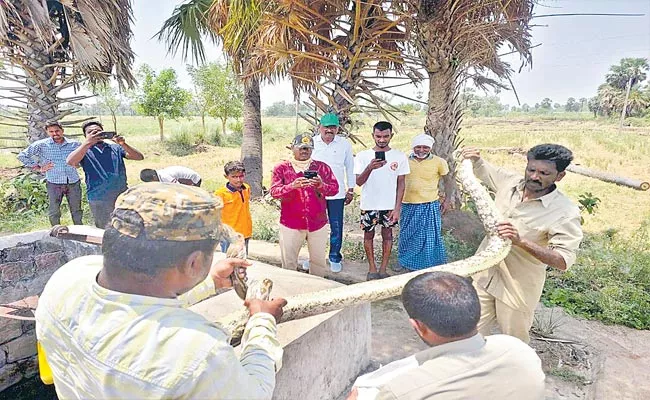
(383, 275)
(372, 276)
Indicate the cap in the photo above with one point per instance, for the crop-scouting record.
(170, 212)
(329, 119)
(303, 140)
(422, 140)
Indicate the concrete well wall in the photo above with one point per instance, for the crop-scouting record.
(26, 263)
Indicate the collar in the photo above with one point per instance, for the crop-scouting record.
(470, 344)
(318, 138)
(546, 200)
(233, 189)
(51, 141)
(429, 157)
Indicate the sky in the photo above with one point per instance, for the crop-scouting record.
(573, 56)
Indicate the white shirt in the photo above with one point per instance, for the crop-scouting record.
(338, 156)
(173, 174)
(380, 190)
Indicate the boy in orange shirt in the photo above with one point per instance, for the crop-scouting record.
(236, 196)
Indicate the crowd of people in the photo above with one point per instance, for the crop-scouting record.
(117, 331)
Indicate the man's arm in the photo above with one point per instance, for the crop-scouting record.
(79, 153)
(26, 156)
(349, 167)
(374, 164)
(401, 184)
(328, 184)
(492, 176)
(564, 240)
(131, 153)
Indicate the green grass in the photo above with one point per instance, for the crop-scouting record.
(568, 375)
(610, 281)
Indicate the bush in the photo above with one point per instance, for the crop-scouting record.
(236, 127)
(24, 193)
(266, 221)
(181, 144)
(610, 281)
(215, 138)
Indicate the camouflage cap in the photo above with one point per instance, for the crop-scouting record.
(170, 212)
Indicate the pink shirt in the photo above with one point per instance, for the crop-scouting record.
(304, 208)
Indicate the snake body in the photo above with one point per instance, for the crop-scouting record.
(309, 304)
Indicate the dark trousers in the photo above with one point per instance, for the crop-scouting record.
(102, 209)
(55, 193)
(335, 215)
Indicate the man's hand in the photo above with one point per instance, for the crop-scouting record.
(349, 196)
(471, 153)
(92, 138)
(376, 164)
(316, 182)
(393, 216)
(446, 206)
(119, 139)
(220, 271)
(354, 394)
(44, 168)
(506, 230)
(273, 307)
(300, 183)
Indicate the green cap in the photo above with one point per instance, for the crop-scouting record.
(329, 119)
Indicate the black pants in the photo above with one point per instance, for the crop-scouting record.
(72, 192)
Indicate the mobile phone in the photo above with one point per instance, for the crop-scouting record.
(107, 135)
(380, 155)
(310, 174)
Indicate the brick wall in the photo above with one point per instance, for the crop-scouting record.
(26, 263)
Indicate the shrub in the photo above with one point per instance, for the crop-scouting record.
(266, 221)
(181, 144)
(610, 281)
(23, 193)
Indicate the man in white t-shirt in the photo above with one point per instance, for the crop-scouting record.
(381, 173)
(174, 174)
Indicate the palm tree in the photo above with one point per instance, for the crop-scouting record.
(57, 45)
(234, 24)
(630, 72)
(460, 40)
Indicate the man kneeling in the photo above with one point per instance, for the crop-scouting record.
(460, 364)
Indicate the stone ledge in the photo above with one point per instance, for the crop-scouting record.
(22, 238)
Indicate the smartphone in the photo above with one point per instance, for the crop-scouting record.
(380, 155)
(107, 135)
(310, 174)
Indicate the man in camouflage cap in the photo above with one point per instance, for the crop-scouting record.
(116, 326)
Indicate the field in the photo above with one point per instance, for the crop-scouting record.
(596, 144)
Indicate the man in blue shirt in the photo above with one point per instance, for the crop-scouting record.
(49, 156)
(103, 165)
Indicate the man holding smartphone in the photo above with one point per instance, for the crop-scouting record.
(302, 184)
(103, 165)
(381, 173)
(336, 152)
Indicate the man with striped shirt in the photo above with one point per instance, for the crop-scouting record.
(48, 156)
(117, 326)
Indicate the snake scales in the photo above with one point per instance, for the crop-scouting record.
(308, 304)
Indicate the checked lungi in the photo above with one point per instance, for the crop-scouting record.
(420, 236)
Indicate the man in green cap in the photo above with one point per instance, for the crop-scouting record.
(336, 152)
(117, 326)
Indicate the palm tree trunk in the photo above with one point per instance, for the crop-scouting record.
(251, 147)
(443, 119)
(627, 97)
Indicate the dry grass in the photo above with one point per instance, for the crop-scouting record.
(596, 145)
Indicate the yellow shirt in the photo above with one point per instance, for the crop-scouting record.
(236, 210)
(552, 221)
(422, 183)
(102, 344)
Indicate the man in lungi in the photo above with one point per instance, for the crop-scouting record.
(420, 238)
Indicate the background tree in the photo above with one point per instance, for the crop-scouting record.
(572, 105)
(160, 96)
(220, 89)
(108, 98)
(630, 72)
(546, 103)
(55, 45)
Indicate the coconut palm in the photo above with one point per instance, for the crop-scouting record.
(55, 45)
(460, 40)
(625, 76)
(233, 24)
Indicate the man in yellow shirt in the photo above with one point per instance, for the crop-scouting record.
(420, 237)
(236, 197)
(116, 326)
(544, 227)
